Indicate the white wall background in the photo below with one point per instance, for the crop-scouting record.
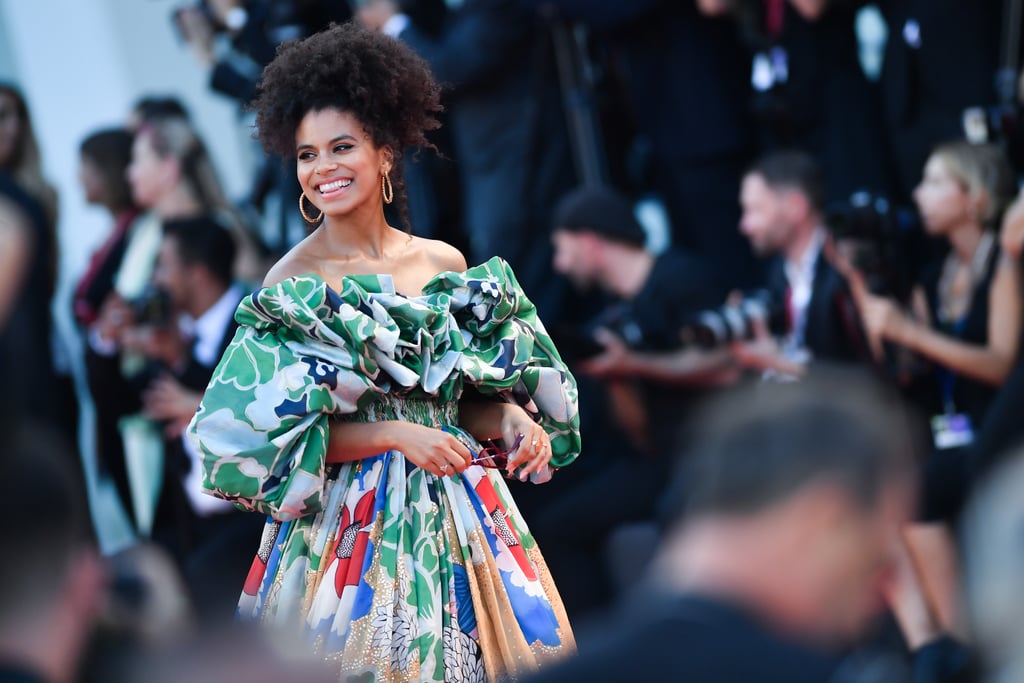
(81, 64)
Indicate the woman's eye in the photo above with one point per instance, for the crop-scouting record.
(304, 156)
(342, 148)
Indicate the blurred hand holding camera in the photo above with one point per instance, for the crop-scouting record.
(115, 315)
(762, 351)
(197, 29)
(157, 342)
(167, 400)
(612, 361)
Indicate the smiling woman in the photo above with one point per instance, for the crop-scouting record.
(364, 376)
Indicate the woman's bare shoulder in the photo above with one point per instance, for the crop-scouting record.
(442, 256)
(296, 262)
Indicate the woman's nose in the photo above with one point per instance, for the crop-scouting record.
(325, 164)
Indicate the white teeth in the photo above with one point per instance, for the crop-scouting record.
(336, 185)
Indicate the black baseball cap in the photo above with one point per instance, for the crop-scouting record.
(601, 210)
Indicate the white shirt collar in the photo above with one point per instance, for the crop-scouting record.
(209, 327)
(802, 270)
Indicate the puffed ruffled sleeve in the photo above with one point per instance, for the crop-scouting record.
(300, 354)
(509, 353)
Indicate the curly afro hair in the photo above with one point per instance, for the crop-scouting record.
(378, 79)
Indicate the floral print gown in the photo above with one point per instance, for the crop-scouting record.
(387, 570)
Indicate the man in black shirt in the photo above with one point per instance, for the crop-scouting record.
(638, 380)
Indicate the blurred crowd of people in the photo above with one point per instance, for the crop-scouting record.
(807, 214)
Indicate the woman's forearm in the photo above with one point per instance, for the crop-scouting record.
(357, 440)
(982, 363)
(483, 419)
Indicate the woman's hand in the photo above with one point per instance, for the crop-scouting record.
(167, 399)
(430, 449)
(881, 318)
(534, 450)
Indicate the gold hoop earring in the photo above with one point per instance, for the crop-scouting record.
(302, 210)
(386, 188)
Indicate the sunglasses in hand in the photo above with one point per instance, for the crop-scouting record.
(491, 455)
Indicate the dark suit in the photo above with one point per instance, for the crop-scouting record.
(215, 550)
(832, 329)
(827, 106)
(685, 81)
(508, 135)
(941, 57)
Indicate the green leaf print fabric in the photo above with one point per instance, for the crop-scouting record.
(304, 352)
(380, 567)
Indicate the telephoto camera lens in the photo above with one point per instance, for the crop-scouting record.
(734, 322)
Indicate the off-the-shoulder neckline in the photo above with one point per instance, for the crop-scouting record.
(385, 282)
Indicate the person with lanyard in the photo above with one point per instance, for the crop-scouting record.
(965, 319)
(966, 309)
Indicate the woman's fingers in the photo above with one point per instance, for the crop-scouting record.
(455, 457)
(534, 452)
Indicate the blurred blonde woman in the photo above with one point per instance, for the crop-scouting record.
(172, 177)
(967, 322)
(967, 316)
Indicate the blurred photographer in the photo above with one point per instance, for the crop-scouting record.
(966, 313)
(233, 40)
(632, 368)
(783, 217)
(599, 244)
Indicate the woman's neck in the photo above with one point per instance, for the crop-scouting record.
(964, 241)
(364, 234)
(178, 202)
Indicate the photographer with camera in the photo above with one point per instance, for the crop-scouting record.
(640, 381)
(966, 317)
(599, 243)
(783, 217)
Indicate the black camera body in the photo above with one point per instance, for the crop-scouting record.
(736, 321)
(152, 308)
(877, 240)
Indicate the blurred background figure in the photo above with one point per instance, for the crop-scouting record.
(172, 177)
(965, 314)
(507, 130)
(153, 108)
(782, 197)
(103, 161)
(638, 380)
(783, 515)
(210, 539)
(29, 347)
(941, 59)
(993, 553)
(654, 59)
(233, 40)
(809, 91)
(52, 579)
